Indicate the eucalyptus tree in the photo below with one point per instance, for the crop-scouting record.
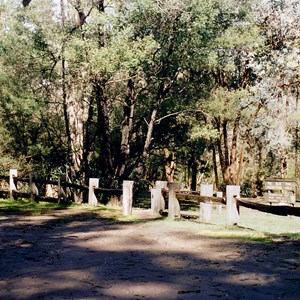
(102, 48)
(278, 71)
(182, 31)
(28, 61)
(229, 111)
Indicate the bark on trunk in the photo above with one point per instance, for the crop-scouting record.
(126, 131)
(214, 157)
(232, 168)
(149, 134)
(225, 142)
(103, 131)
(170, 165)
(195, 166)
(297, 137)
(220, 151)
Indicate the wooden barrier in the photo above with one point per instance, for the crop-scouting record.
(279, 210)
(59, 194)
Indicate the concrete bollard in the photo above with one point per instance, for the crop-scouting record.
(33, 188)
(12, 187)
(156, 203)
(93, 183)
(127, 197)
(206, 190)
(219, 207)
(173, 204)
(162, 185)
(205, 212)
(232, 192)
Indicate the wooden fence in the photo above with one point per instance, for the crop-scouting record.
(162, 191)
(33, 186)
(206, 201)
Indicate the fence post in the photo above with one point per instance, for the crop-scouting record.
(156, 204)
(12, 187)
(232, 192)
(160, 184)
(205, 212)
(50, 192)
(61, 192)
(33, 188)
(93, 183)
(173, 204)
(219, 194)
(219, 205)
(127, 197)
(206, 190)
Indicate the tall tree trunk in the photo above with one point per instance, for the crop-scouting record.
(245, 143)
(170, 165)
(297, 136)
(103, 130)
(149, 134)
(73, 117)
(88, 140)
(195, 167)
(232, 176)
(225, 142)
(220, 151)
(126, 131)
(214, 158)
(283, 157)
(159, 99)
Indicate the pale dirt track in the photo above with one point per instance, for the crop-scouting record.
(56, 256)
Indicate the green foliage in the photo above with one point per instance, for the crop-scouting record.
(198, 64)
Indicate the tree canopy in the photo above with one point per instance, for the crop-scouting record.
(147, 89)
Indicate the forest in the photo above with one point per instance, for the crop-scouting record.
(179, 90)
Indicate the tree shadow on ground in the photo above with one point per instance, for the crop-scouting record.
(85, 257)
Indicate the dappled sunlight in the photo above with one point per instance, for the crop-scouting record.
(78, 257)
(31, 283)
(152, 290)
(251, 279)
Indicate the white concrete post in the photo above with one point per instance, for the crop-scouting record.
(33, 188)
(50, 192)
(232, 192)
(219, 207)
(159, 184)
(173, 204)
(127, 197)
(156, 203)
(206, 190)
(93, 183)
(12, 187)
(205, 212)
(219, 194)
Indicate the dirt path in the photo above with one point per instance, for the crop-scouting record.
(74, 257)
